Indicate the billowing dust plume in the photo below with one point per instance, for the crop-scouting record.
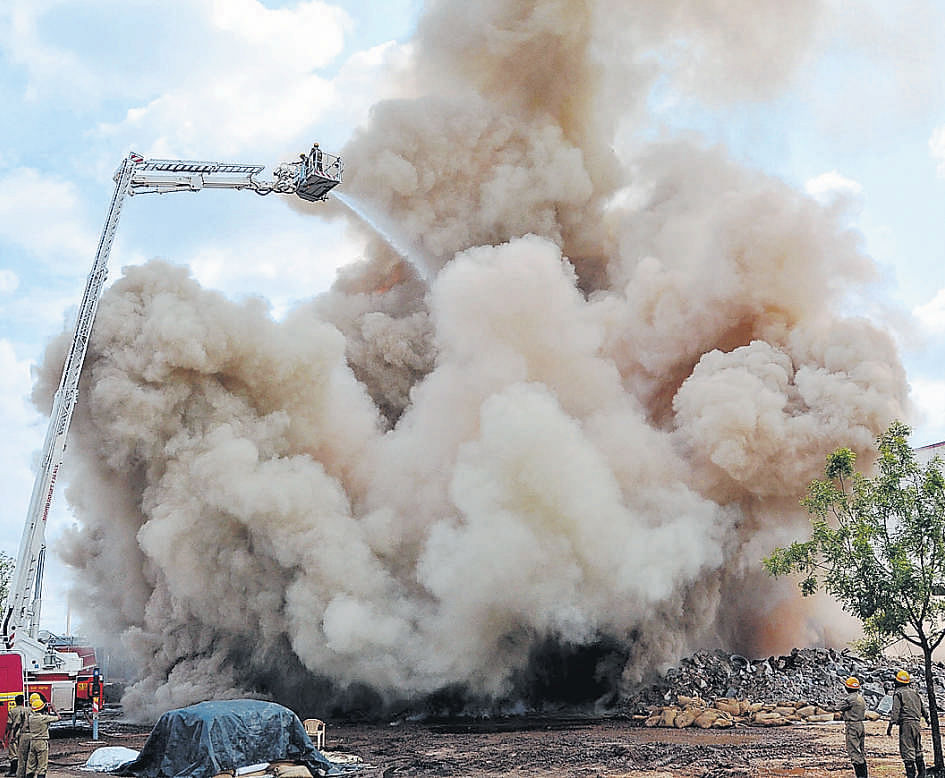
(554, 464)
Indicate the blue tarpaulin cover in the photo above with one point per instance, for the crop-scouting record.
(211, 737)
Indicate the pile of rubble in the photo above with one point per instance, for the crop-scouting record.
(810, 677)
(726, 712)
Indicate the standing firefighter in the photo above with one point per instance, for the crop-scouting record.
(23, 743)
(37, 722)
(854, 712)
(907, 708)
(317, 158)
(16, 718)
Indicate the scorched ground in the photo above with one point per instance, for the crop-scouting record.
(542, 748)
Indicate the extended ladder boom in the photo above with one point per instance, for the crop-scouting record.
(24, 600)
(311, 178)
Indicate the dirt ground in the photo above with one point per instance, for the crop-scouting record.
(541, 748)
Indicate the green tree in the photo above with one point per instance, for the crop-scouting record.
(6, 573)
(878, 546)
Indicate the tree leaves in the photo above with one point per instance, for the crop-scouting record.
(6, 573)
(877, 545)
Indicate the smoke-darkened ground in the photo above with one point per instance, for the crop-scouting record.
(536, 462)
(541, 748)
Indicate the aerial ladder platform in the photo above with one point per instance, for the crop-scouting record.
(65, 673)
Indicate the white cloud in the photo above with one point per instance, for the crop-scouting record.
(828, 186)
(369, 76)
(20, 436)
(306, 36)
(14, 382)
(20, 445)
(9, 281)
(292, 265)
(22, 43)
(884, 63)
(252, 86)
(23, 431)
(40, 213)
(937, 148)
(928, 395)
(932, 313)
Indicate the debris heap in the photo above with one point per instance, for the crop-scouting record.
(807, 682)
(727, 712)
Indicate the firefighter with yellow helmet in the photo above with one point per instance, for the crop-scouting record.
(16, 718)
(907, 709)
(37, 724)
(23, 744)
(854, 713)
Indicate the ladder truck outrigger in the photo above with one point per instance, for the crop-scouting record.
(63, 670)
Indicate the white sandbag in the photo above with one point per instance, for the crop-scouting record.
(109, 758)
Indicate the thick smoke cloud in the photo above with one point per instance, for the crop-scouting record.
(578, 418)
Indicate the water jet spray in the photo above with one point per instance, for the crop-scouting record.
(410, 253)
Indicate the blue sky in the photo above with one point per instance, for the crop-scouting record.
(83, 83)
(860, 125)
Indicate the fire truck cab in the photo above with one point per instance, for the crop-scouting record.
(11, 684)
(62, 670)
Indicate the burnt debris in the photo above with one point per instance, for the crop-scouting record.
(813, 675)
